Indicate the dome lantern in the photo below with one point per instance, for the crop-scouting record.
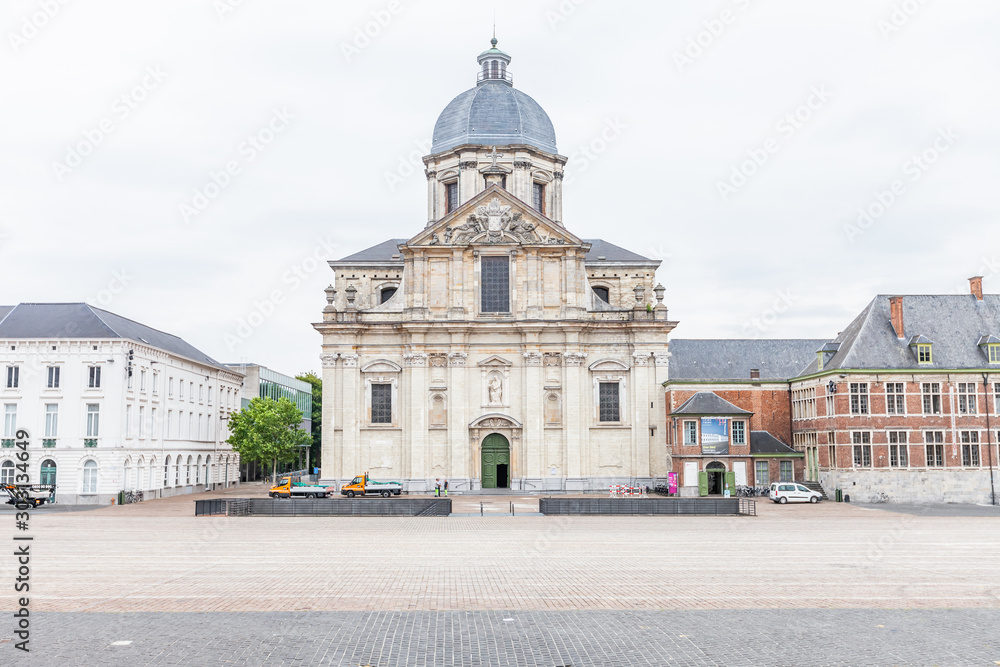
(493, 66)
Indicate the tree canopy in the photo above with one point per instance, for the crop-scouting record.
(267, 430)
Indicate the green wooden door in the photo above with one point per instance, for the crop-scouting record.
(731, 481)
(496, 451)
(702, 483)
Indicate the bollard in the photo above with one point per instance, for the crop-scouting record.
(481, 508)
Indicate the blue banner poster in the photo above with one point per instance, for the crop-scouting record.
(714, 435)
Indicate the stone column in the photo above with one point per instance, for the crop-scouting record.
(432, 197)
(458, 417)
(578, 419)
(332, 469)
(533, 440)
(352, 403)
(557, 188)
(640, 409)
(413, 402)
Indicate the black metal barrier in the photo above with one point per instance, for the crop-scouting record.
(324, 507)
(712, 506)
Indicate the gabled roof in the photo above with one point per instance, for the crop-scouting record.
(706, 360)
(954, 322)
(762, 442)
(52, 321)
(708, 403)
(599, 248)
(379, 254)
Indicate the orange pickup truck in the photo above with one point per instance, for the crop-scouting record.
(363, 485)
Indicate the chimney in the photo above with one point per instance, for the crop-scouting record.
(976, 285)
(896, 314)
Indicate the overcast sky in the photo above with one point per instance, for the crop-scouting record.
(735, 140)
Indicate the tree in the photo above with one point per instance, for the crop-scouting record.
(267, 430)
(315, 451)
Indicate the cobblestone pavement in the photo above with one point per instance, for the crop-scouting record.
(549, 639)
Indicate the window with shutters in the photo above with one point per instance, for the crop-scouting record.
(381, 403)
(495, 284)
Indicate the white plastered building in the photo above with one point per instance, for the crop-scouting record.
(111, 405)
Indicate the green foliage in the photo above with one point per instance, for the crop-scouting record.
(266, 431)
(317, 415)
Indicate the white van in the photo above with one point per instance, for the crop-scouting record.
(790, 492)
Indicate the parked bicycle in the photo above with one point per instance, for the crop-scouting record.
(880, 498)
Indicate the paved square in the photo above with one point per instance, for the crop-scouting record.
(822, 584)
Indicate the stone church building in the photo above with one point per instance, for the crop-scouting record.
(495, 347)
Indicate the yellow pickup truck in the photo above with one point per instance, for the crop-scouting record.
(288, 488)
(363, 485)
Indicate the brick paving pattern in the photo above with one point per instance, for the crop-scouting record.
(544, 639)
(828, 584)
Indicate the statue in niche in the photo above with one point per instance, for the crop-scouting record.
(496, 390)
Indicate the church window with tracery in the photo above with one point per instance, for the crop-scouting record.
(495, 278)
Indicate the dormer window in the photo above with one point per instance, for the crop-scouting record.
(921, 347)
(993, 353)
(924, 353)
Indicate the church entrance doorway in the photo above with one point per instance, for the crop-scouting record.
(495, 462)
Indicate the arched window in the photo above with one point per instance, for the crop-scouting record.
(177, 471)
(90, 477)
(208, 469)
(127, 475)
(48, 475)
(386, 294)
(152, 473)
(166, 472)
(187, 478)
(197, 471)
(139, 469)
(7, 472)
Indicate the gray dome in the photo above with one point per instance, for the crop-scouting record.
(493, 114)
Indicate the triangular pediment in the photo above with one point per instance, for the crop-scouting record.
(495, 217)
(494, 361)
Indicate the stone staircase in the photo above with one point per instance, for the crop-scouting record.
(815, 486)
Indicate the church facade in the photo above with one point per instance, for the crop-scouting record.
(495, 348)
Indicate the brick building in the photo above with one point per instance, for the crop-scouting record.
(905, 400)
(729, 411)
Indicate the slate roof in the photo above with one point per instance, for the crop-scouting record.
(762, 442)
(384, 251)
(708, 403)
(493, 113)
(956, 323)
(721, 360)
(51, 321)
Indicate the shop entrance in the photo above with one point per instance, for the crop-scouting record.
(712, 481)
(495, 462)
